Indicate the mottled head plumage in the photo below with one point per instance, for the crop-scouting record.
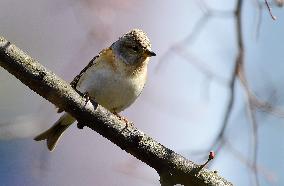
(139, 36)
(133, 47)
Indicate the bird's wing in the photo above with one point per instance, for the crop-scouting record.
(91, 63)
(77, 78)
(75, 81)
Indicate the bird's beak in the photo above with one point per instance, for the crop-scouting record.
(150, 53)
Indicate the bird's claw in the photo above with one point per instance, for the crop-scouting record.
(126, 121)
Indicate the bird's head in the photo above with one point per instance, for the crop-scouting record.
(133, 47)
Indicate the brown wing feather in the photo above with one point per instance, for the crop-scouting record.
(77, 78)
(75, 81)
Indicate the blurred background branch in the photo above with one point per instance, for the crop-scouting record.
(238, 73)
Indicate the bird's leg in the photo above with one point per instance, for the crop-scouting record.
(87, 97)
(127, 122)
(121, 117)
(84, 95)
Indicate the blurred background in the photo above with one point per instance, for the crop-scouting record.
(193, 101)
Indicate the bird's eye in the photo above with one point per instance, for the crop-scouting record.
(135, 48)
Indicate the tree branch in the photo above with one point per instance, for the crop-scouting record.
(172, 167)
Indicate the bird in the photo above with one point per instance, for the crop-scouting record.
(114, 79)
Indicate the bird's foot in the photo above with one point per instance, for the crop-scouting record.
(126, 121)
(87, 97)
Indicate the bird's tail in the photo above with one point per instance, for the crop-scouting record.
(53, 134)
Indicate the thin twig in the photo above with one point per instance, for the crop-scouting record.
(269, 10)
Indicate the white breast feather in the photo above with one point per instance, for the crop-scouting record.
(113, 90)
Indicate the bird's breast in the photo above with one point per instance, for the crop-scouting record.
(112, 87)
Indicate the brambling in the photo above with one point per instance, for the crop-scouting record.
(114, 79)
